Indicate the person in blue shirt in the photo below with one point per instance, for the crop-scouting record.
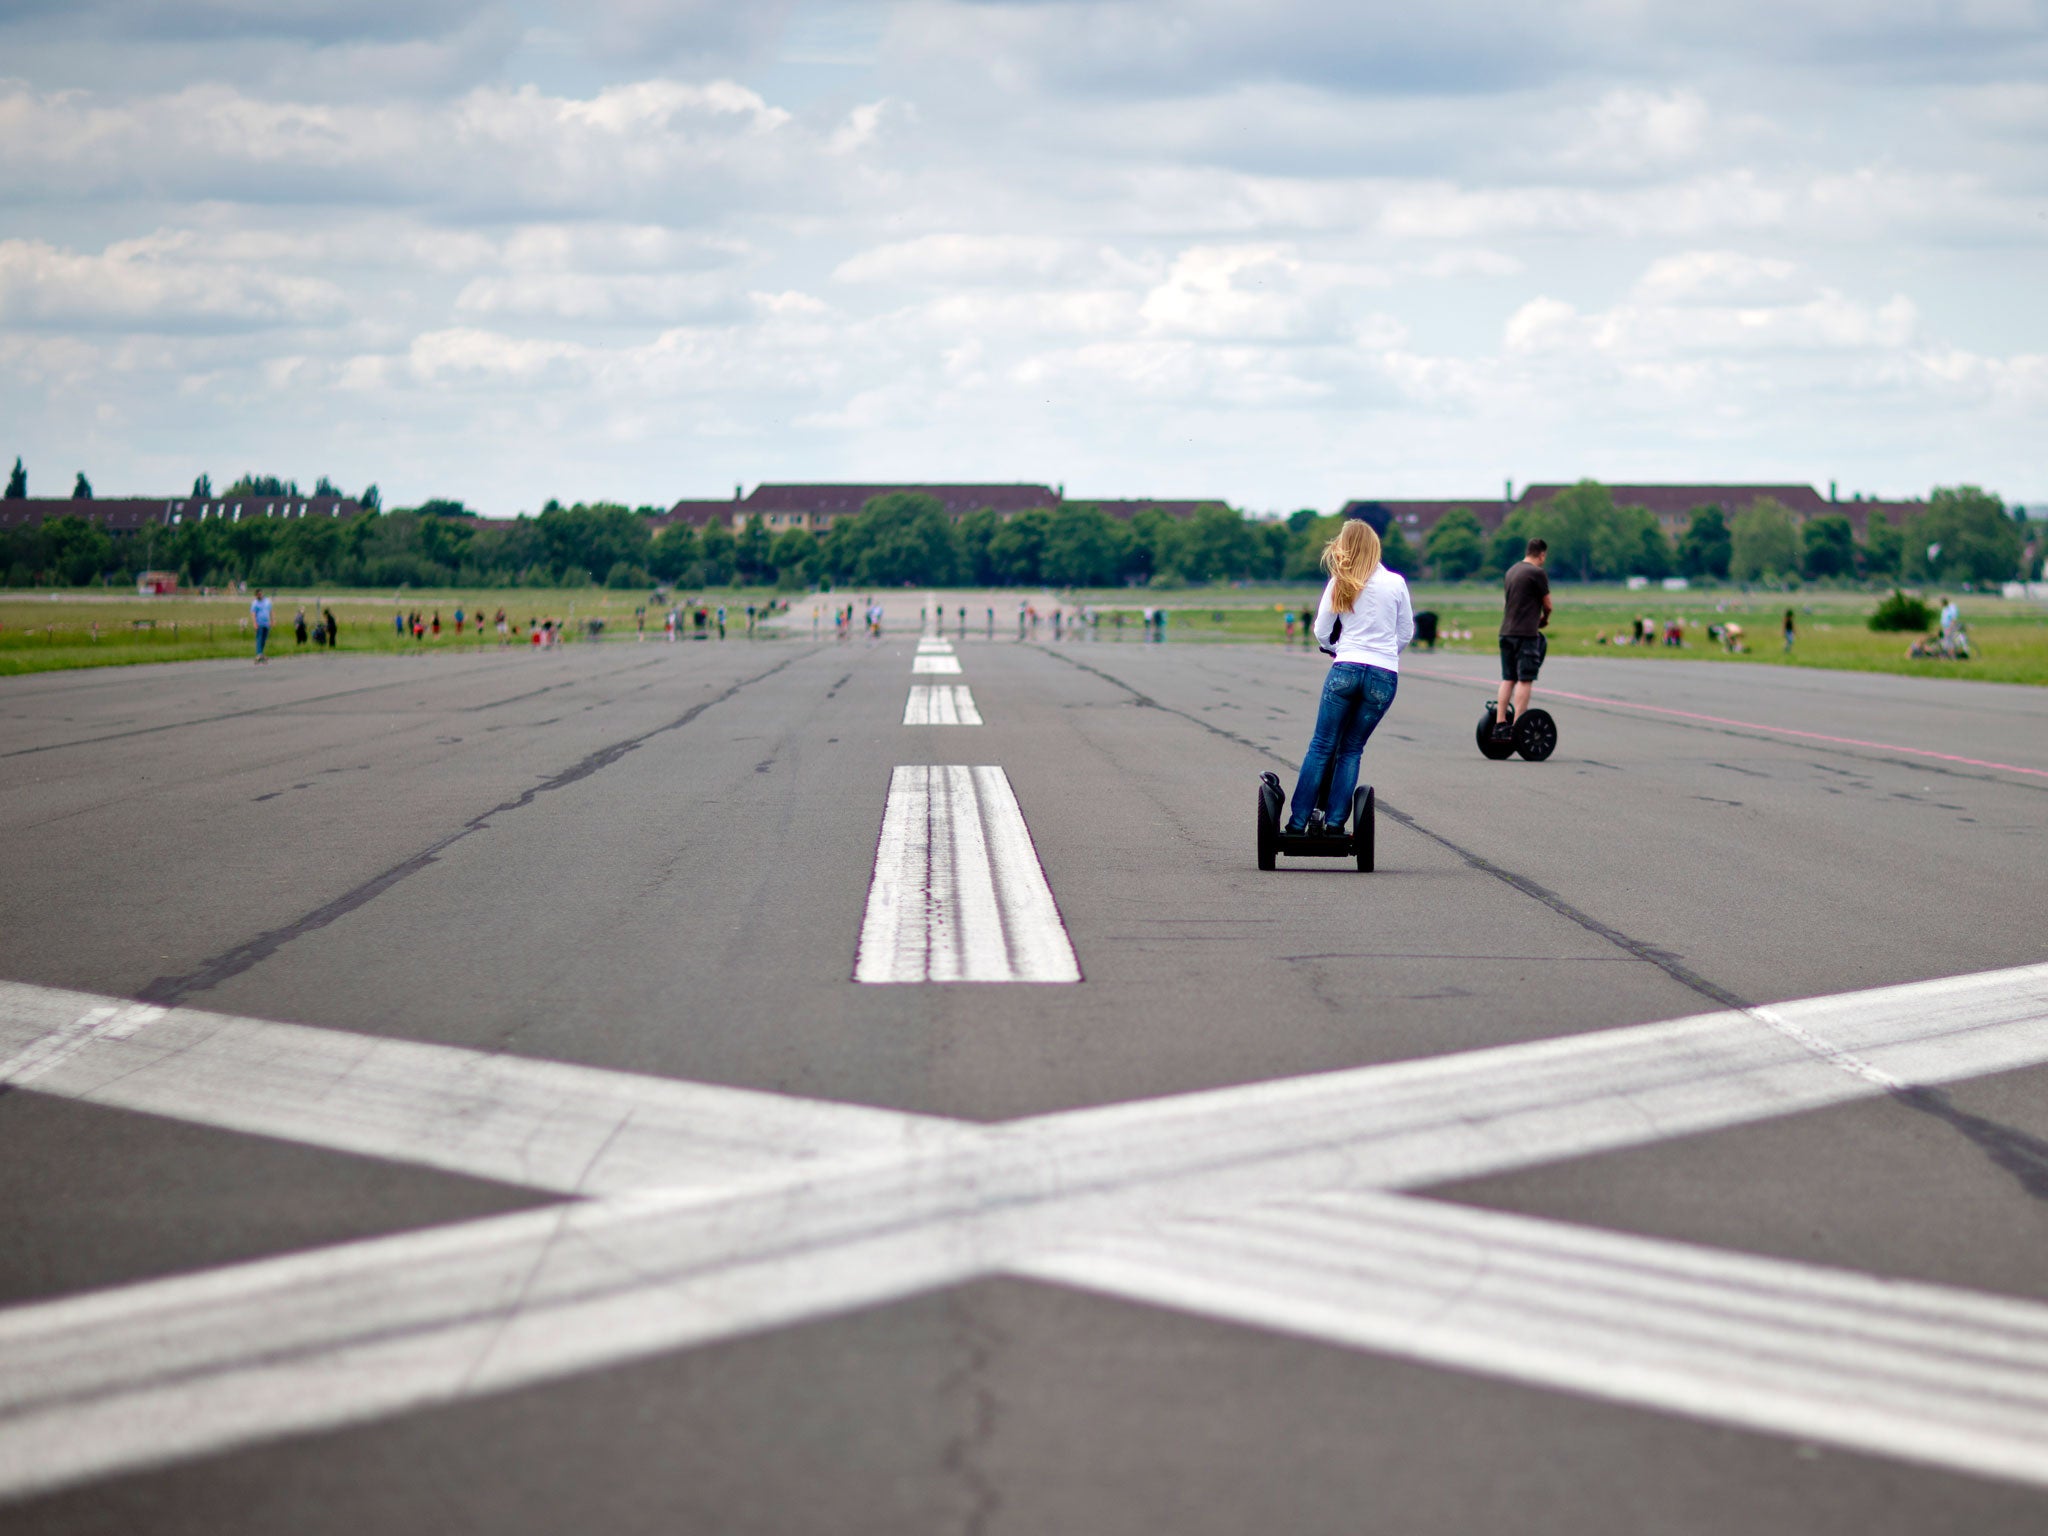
(259, 611)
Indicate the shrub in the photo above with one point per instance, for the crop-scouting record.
(623, 577)
(1902, 612)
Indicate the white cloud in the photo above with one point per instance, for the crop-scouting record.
(645, 145)
(1633, 131)
(1199, 245)
(1718, 306)
(133, 287)
(1256, 293)
(598, 299)
(975, 260)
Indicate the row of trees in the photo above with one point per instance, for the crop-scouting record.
(898, 538)
(17, 484)
(1963, 534)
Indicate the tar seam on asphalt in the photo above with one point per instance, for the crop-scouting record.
(169, 990)
(239, 714)
(534, 693)
(1621, 710)
(1663, 959)
(2024, 1157)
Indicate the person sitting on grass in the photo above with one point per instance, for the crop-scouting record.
(1378, 623)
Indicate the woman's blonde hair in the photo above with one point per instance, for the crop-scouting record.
(1351, 558)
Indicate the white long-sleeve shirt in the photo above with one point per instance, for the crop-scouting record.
(1379, 625)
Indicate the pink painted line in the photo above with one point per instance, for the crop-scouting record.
(1751, 725)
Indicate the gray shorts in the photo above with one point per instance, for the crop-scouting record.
(1521, 657)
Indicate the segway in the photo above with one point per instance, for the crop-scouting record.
(1534, 734)
(1274, 840)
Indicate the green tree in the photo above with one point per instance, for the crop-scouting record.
(1510, 541)
(906, 538)
(1963, 535)
(262, 485)
(1305, 549)
(1456, 545)
(977, 531)
(76, 549)
(714, 554)
(1396, 554)
(443, 539)
(751, 551)
(17, 483)
(326, 487)
(1631, 542)
(624, 577)
(673, 552)
(1017, 552)
(1884, 547)
(1155, 546)
(372, 499)
(1704, 548)
(1216, 544)
(81, 489)
(202, 488)
(1763, 542)
(1577, 517)
(795, 558)
(1084, 547)
(1829, 547)
(582, 541)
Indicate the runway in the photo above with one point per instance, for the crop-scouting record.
(868, 1086)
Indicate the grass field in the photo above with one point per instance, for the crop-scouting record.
(44, 632)
(2010, 639)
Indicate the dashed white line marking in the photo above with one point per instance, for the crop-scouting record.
(931, 646)
(937, 665)
(958, 893)
(941, 705)
(1264, 1204)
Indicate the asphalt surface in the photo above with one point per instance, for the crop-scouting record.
(654, 858)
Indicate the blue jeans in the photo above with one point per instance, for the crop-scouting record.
(1354, 699)
(262, 637)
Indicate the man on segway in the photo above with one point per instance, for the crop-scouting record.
(1522, 623)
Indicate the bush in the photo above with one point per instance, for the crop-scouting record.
(1902, 612)
(623, 577)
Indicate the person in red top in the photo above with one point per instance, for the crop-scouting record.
(1522, 648)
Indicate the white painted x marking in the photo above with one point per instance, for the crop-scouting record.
(701, 1213)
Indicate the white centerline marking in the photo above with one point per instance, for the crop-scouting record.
(958, 893)
(938, 665)
(943, 704)
(1264, 1204)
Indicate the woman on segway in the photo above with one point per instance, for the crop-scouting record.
(1377, 624)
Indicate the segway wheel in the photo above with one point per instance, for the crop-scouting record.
(1488, 747)
(1361, 827)
(1535, 735)
(1270, 801)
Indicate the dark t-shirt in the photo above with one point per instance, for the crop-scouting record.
(1527, 587)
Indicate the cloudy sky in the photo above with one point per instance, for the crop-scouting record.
(1283, 253)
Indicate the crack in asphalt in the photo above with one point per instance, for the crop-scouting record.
(1640, 949)
(170, 990)
(286, 704)
(2012, 1151)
